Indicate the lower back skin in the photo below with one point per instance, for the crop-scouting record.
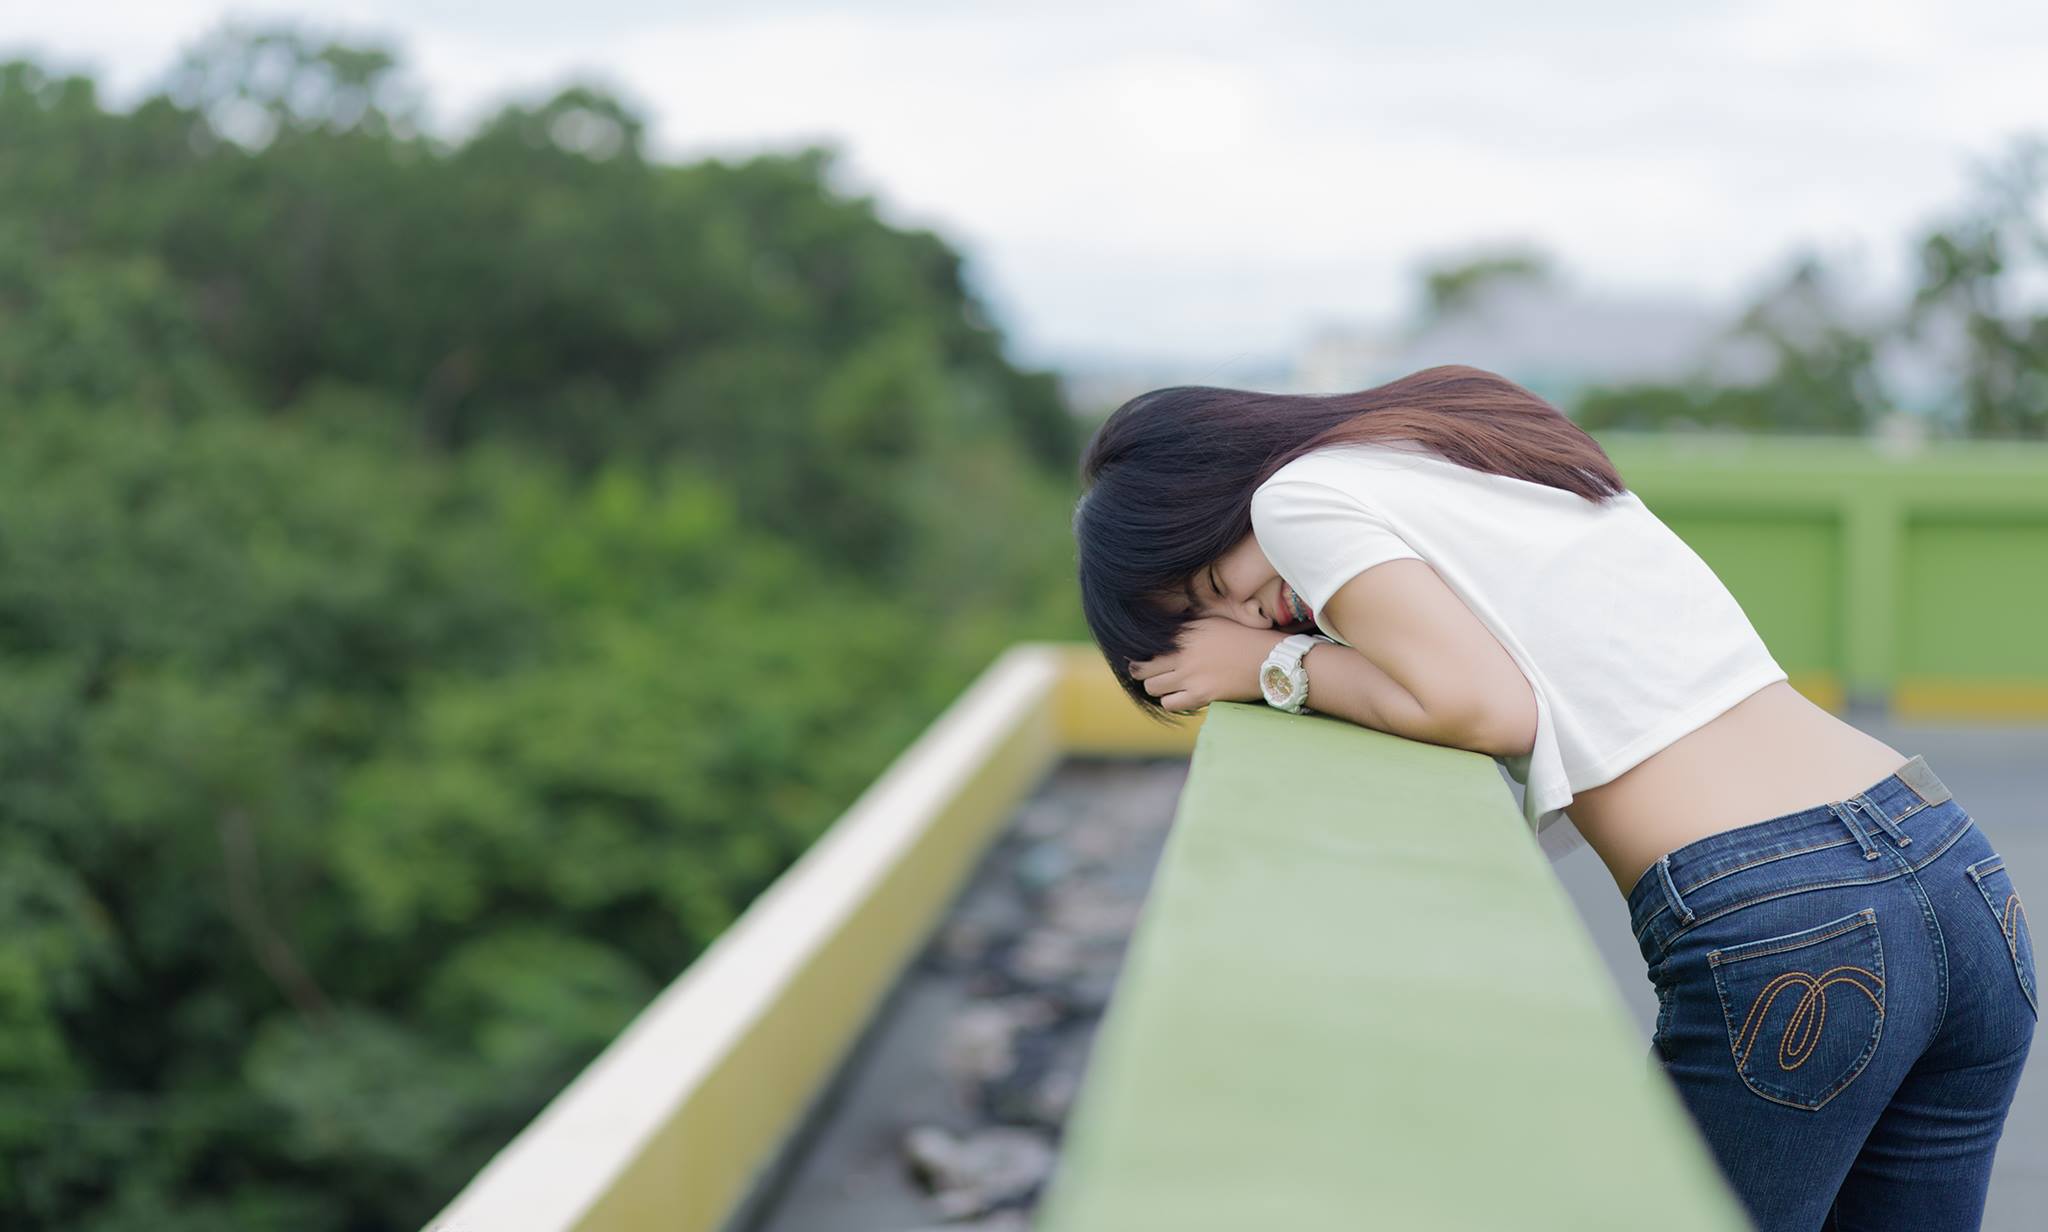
(1792, 755)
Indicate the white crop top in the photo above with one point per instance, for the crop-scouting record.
(1629, 640)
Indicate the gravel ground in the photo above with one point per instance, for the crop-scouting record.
(949, 1113)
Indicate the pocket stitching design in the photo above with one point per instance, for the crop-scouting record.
(1814, 1001)
(1812, 1010)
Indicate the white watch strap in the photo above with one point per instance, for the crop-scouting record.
(1290, 649)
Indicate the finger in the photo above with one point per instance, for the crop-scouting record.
(1145, 669)
(1180, 701)
(1163, 683)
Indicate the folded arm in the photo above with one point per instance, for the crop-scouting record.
(1420, 665)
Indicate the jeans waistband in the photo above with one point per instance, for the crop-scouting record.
(1689, 881)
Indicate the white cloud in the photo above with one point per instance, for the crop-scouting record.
(1163, 177)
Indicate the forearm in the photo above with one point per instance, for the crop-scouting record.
(1345, 684)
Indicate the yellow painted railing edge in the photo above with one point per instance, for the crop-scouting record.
(1930, 697)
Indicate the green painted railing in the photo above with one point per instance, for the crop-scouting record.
(1359, 997)
(1913, 577)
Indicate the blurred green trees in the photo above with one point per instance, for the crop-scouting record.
(439, 588)
(1974, 313)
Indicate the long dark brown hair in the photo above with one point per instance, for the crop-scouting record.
(1168, 479)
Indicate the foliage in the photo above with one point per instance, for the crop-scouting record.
(439, 588)
(1822, 376)
(1967, 315)
(1970, 271)
(1452, 287)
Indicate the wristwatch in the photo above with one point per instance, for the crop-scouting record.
(1283, 678)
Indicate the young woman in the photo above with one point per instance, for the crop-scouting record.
(1844, 971)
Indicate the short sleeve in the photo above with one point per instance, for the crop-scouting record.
(1319, 537)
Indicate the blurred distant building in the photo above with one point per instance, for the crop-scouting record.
(1553, 338)
(1095, 387)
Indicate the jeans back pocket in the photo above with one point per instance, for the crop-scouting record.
(2004, 900)
(1804, 1010)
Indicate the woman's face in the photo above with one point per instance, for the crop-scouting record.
(1241, 586)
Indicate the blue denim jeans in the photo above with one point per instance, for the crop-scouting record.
(1846, 995)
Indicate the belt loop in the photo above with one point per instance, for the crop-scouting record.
(1878, 815)
(1670, 890)
(1849, 819)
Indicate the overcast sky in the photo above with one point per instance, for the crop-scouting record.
(1216, 179)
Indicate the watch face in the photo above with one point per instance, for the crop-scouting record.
(1276, 685)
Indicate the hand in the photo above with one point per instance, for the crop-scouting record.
(1217, 660)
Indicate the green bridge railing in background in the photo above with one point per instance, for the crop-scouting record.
(1914, 578)
(1358, 997)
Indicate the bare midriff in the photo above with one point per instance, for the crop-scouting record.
(1773, 752)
